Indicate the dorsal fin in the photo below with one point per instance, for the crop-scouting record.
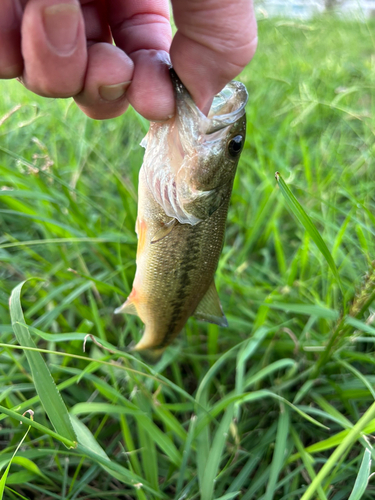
(209, 308)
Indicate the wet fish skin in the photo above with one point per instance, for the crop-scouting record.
(178, 251)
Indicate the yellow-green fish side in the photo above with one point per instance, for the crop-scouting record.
(174, 273)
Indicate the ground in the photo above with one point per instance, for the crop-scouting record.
(272, 407)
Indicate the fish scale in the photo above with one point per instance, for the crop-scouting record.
(179, 244)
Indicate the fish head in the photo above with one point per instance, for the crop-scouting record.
(210, 146)
(191, 159)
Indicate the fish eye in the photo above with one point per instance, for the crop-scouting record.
(235, 145)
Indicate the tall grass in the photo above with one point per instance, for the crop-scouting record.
(278, 406)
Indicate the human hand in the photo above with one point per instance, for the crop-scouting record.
(63, 48)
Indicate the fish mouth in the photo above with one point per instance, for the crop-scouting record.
(227, 107)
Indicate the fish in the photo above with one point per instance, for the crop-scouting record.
(184, 189)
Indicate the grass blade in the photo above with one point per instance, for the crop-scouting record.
(5, 475)
(297, 210)
(44, 384)
(36, 425)
(348, 441)
(307, 461)
(229, 496)
(185, 456)
(161, 439)
(279, 453)
(363, 477)
(215, 455)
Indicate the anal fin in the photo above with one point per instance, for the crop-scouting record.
(209, 308)
(127, 307)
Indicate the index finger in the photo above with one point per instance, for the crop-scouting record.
(142, 29)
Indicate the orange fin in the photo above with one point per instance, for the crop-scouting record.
(141, 230)
(127, 307)
(209, 308)
(164, 231)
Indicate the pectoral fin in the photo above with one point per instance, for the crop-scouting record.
(164, 231)
(209, 309)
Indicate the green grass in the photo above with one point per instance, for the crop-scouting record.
(277, 406)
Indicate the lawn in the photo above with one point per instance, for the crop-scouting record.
(280, 405)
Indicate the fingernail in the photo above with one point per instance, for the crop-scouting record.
(164, 120)
(113, 92)
(61, 23)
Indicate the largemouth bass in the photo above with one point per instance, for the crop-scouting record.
(185, 184)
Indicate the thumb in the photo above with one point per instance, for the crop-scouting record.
(214, 42)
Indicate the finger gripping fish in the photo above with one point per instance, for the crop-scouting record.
(185, 184)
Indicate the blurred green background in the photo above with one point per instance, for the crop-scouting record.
(278, 405)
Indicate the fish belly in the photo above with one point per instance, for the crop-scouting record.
(174, 273)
